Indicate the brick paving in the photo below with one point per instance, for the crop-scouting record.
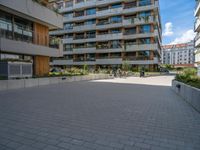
(118, 114)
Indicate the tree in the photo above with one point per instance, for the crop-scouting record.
(126, 66)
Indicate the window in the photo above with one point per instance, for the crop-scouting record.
(115, 55)
(79, 13)
(144, 14)
(116, 19)
(116, 6)
(91, 44)
(102, 45)
(130, 42)
(5, 25)
(144, 54)
(130, 5)
(69, 3)
(68, 26)
(68, 47)
(130, 31)
(115, 44)
(68, 15)
(91, 34)
(90, 22)
(91, 11)
(144, 2)
(79, 1)
(115, 31)
(103, 8)
(145, 29)
(145, 41)
(103, 22)
(23, 30)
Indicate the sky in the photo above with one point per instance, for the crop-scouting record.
(177, 20)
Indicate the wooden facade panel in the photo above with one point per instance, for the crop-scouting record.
(41, 35)
(41, 65)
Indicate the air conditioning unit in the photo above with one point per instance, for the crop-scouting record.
(13, 70)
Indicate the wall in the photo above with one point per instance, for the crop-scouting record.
(190, 94)
(25, 83)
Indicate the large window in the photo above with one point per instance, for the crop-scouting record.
(5, 25)
(116, 19)
(23, 29)
(145, 29)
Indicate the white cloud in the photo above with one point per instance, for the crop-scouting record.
(185, 37)
(168, 29)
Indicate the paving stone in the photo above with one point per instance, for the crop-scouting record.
(117, 114)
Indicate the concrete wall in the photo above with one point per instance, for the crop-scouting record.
(188, 93)
(26, 83)
(19, 47)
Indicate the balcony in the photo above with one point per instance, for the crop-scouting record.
(106, 37)
(34, 12)
(197, 25)
(140, 47)
(62, 62)
(197, 40)
(16, 40)
(87, 4)
(84, 27)
(109, 12)
(141, 35)
(110, 61)
(197, 10)
(109, 25)
(20, 47)
(84, 50)
(103, 2)
(197, 56)
(146, 7)
(141, 61)
(68, 40)
(109, 50)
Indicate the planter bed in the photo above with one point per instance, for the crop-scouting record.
(190, 94)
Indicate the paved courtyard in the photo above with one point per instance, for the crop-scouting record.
(117, 114)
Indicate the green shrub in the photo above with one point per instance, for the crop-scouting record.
(189, 76)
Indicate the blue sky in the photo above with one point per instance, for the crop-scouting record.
(177, 20)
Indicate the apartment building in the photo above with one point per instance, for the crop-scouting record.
(107, 33)
(24, 33)
(178, 55)
(197, 38)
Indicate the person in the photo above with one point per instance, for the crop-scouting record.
(142, 73)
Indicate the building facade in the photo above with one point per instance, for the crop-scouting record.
(107, 33)
(179, 54)
(197, 38)
(24, 33)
